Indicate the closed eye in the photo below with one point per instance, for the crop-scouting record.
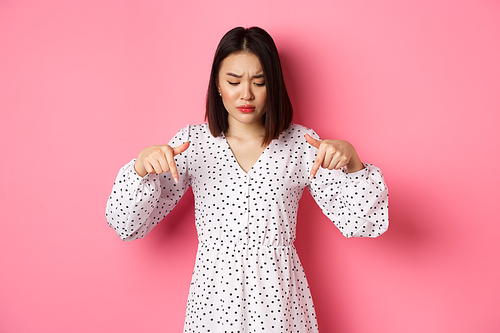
(257, 84)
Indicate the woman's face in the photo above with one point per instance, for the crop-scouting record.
(242, 86)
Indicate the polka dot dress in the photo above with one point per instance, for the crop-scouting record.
(247, 276)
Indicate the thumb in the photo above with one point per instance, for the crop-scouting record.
(179, 149)
(312, 141)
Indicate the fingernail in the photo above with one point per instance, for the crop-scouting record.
(176, 180)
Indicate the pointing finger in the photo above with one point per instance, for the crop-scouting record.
(173, 168)
(317, 163)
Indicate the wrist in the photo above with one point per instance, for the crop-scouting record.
(354, 164)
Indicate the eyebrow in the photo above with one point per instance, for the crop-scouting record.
(258, 76)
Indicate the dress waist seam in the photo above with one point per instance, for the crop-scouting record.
(243, 246)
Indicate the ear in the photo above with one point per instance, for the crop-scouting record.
(217, 84)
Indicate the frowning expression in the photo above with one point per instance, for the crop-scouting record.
(242, 87)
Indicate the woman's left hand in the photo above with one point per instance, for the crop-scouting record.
(334, 154)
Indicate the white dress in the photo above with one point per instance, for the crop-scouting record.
(247, 276)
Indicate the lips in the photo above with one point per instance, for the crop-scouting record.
(246, 108)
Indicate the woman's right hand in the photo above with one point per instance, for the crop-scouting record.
(159, 159)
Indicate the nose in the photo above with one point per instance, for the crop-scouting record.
(247, 94)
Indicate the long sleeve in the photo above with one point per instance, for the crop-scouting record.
(137, 204)
(357, 203)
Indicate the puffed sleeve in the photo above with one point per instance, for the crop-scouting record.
(357, 203)
(137, 204)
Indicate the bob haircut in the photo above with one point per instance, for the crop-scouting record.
(279, 111)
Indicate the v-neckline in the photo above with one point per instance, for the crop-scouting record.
(235, 160)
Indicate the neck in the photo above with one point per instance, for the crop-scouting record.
(251, 131)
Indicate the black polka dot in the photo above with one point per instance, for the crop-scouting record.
(247, 276)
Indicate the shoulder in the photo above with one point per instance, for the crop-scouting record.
(200, 135)
(197, 131)
(199, 128)
(190, 133)
(294, 140)
(297, 132)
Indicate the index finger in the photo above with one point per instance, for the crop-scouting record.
(173, 167)
(317, 163)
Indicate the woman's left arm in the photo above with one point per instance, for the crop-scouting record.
(356, 198)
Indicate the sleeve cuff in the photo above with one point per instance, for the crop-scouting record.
(358, 175)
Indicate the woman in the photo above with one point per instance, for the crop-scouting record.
(248, 167)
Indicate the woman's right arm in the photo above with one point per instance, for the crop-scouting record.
(148, 188)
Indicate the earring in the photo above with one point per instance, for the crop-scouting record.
(220, 94)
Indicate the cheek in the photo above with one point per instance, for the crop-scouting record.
(227, 98)
(264, 97)
(227, 93)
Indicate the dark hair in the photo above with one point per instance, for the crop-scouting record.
(279, 111)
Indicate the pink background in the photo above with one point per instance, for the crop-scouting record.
(414, 85)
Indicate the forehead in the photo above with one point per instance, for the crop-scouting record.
(240, 63)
